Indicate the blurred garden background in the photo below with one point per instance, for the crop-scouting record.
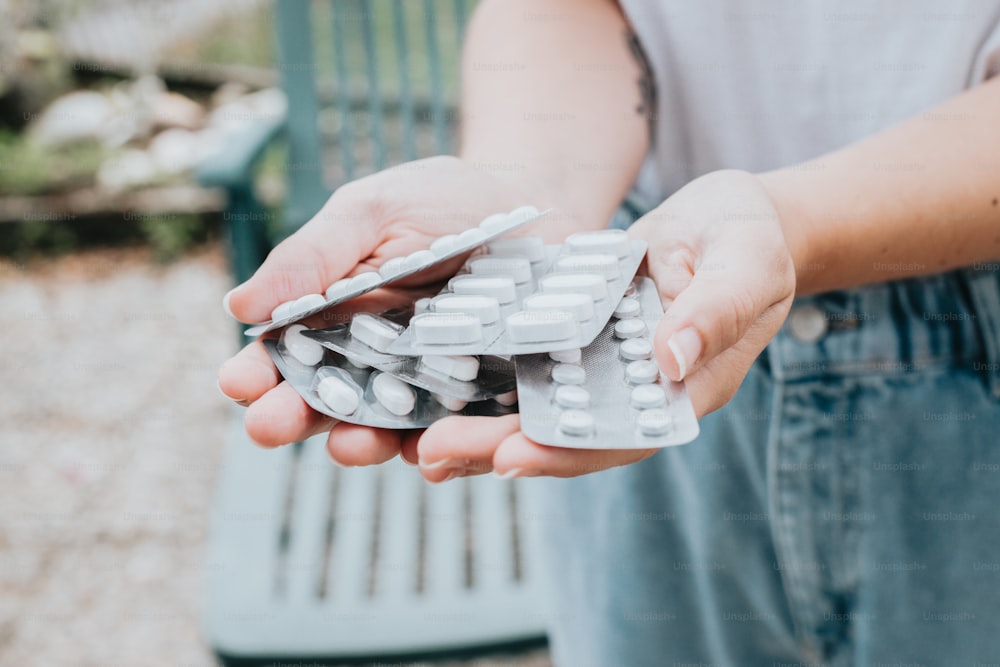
(113, 264)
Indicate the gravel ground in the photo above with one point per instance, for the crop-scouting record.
(111, 431)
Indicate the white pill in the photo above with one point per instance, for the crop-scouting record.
(306, 303)
(357, 364)
(614, 241)
(634, 349)
(420, 259)
(495, 223)
(572, 397)
(338, 289)
(627, 307)
(567, 356)
(523, 213)
(590, 284)
(532, 247)
(642, 372)
(541, 326)
(654, 422)
(472, 237)
(601, 264)
(633, 327)
(446, 329)
(486, 308)
(647, 396)
(568, 374)
(444, 244)
(392, 268)
(507, 399)
(464, 368)
(518, 268)
(449, 402)
(502, 289)
(364, 281)
(422, 305)
(304, 350)
(282, 311)
(576, 422)
(374, 332)
(338, 395)
(580, 305)
(393, 394)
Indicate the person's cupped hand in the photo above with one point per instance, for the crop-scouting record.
(716, 252)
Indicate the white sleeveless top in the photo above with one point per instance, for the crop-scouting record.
(761, 84)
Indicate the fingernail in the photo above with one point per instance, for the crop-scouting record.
(510, 474)
(437, 464)
(225, 303)
(452, 475)
(686, 346)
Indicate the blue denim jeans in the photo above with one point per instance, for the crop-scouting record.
(843, 509)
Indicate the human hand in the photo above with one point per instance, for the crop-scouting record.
(719, 258)
(389, 214)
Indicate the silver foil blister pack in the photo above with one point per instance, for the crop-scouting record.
(463, 377)
(398, 268)
(367, 396)
(609, 394)
(508, 307)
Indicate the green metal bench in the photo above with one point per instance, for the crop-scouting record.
(308, 561)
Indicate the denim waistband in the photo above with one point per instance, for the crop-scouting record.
(895, 327)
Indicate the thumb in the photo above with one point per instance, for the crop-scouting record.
(710, 314)
(325, 249)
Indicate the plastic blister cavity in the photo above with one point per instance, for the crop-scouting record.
(442, 249)
(610, 394)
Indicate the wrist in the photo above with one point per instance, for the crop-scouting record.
(784, 191)
(523, 180)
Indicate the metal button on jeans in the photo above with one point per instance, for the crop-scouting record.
(807, 323)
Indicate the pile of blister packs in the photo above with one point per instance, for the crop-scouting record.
(561, 334)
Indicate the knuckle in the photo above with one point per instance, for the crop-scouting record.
(742, 310)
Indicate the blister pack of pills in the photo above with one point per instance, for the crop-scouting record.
(332, 385)
(366, 339)
(522, 298)
(561, 334)
(610, 394)
(397, 268)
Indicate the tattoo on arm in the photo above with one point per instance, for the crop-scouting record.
(647, 84)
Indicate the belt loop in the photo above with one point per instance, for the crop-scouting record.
(983, 282)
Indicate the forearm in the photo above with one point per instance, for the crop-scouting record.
(917, 199)
(552, 97)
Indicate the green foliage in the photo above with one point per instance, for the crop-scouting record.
(28, 168)
(170, 235)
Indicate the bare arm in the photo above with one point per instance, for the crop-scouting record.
(919, 198)
(558, 92)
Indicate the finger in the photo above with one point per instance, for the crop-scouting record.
(281, 416)
(248, 375)
(517, 456)
(459, 446)
(353, 445)
(408, 449)
(727, 294)
(324, 250)
(672, 269)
